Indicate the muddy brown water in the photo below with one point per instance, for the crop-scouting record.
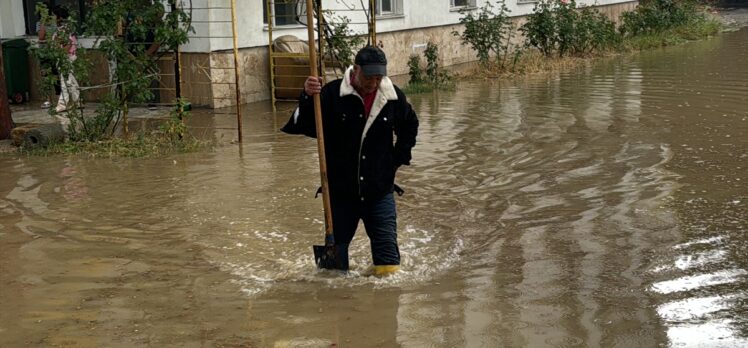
(602, 207)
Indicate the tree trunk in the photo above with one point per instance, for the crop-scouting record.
(6, 121)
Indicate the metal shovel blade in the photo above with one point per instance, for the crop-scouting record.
(330, 257)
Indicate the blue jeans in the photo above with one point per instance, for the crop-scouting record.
(380, 222)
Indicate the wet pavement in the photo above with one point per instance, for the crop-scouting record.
(599, 207)
(31, 114)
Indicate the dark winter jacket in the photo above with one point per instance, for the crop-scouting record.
(362, 157)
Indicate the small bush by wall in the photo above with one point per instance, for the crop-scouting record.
(653, 16)
(434, 78)
(489, 32)
(557, 27)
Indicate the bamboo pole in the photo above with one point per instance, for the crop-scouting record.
(236, 72)
(321, 38)
(373, 22)
(271, 52)
(318, 122)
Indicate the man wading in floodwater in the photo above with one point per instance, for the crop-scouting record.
(369, 129)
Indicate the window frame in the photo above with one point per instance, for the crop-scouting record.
(396, 7)
(468, 4)
(294, 5)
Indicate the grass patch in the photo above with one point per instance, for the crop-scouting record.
(534, 62)
(170, 137)
(140, 146)
(417, 88)
(654, 40)
(530, 62)
(697, 30)
(426, 87)
(701, 29)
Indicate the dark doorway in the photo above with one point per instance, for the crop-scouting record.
(76, 7)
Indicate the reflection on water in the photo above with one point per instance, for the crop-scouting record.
(599, 207)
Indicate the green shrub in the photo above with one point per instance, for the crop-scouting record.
(435, 77)
(658, 15)
(595, 32)
(656, 23)
(488, 33)
(434, 73)
(566, 18)
(174, 130)
(121, 31)
(53, 54)
(557, 27)
(540, 28)
(414, 69)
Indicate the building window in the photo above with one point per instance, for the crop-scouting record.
(284, 12)
(389, 7)
(462, 3)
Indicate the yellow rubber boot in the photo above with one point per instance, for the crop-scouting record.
(385, 270)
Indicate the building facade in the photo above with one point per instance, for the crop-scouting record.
(403, 27)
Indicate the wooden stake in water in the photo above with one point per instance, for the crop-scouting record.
(236, 72)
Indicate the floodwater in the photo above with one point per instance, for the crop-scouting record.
(601, 207)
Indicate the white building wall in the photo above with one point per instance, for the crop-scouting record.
(213, 31)
(424, 14)
(199, 41)
(212, 20)
(209, 77)
(12, 21)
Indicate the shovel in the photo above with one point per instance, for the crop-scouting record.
(327, 256)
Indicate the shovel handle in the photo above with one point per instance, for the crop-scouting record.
(318, 123)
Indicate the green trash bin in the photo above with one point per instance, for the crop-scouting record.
(16, 67)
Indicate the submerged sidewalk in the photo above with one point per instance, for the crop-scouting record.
(30, 114)
(26, 113)
(733, 16)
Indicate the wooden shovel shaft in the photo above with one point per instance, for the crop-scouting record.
(318, 121)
